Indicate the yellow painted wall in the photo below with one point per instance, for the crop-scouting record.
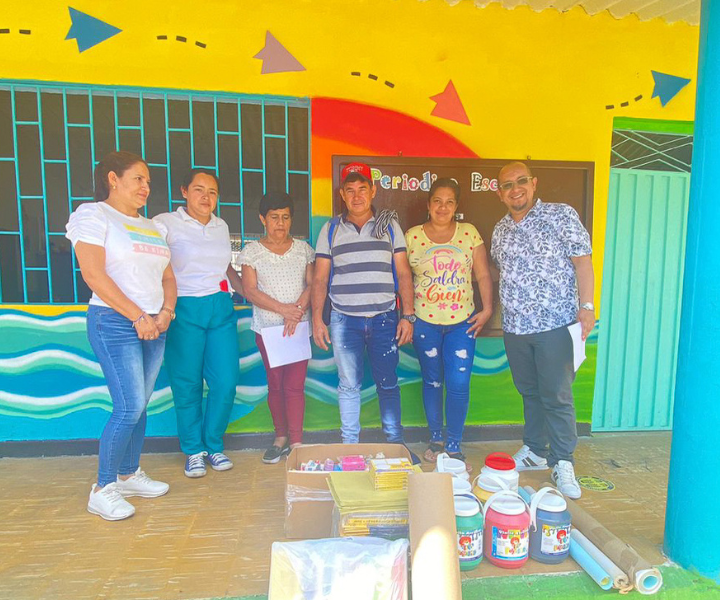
(533, 84)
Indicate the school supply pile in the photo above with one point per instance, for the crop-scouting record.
(391, 473)
(363, 510)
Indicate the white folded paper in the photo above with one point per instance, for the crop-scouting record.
(285, 350)
(578, 344)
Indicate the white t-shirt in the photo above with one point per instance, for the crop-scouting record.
(200, 254)
(136, 254)
(280, 276)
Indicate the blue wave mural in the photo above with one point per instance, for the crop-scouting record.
(51, 386)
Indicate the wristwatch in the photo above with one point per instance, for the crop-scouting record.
(409, 318)
(587, 306)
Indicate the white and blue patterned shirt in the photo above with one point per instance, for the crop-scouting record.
(538, 284)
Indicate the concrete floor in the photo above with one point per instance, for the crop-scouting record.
(211, 537)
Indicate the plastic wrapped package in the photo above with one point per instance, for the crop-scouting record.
(347, 568)
(297, 493)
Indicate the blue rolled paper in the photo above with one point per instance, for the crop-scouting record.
(590, 565)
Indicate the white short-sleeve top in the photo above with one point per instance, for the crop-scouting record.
(200, 254)
(136, 254)
(280, 276)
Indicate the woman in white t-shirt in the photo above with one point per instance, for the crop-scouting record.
(202, 341)
(126, 263)
(277, 273)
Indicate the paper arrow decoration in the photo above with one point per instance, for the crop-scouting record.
(449, 106)
(667, 86)
(88, 31)
(276, 58)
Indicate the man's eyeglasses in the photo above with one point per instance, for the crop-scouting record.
(508, 185)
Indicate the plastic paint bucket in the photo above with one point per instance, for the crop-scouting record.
(485, 485)
(469, 524)
(454, 466)
(507, 523)
(550, 527)
(501, 466)
(461, 486)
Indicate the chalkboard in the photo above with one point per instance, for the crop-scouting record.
(402, 184)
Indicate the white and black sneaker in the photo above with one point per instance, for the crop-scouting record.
(526, 460)
(563, 476)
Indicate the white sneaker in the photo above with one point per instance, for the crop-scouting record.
(526, 460)
(109, 504)
(563, 476)
(141, 485)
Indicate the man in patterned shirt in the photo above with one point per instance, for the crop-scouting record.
(543, 253)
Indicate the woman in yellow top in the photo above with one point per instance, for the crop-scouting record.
(444, 255)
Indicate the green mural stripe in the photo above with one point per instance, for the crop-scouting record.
(653, 125)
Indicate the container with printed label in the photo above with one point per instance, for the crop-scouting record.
(550, 527)
(469, 524)
(507, 536)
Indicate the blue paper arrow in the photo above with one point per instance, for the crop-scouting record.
(667, 86)
(88, 31)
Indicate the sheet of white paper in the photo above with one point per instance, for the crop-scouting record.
(289, 349)
(578, 344)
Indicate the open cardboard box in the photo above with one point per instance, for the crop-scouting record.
(308, 503)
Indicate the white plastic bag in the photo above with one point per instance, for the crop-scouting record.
(349, 568)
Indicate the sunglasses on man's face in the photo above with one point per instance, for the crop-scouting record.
(508, 185)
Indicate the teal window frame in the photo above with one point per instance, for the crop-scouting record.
(141, 93)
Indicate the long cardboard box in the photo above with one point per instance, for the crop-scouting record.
(308, 503)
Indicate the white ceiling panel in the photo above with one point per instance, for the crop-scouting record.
(669, 10)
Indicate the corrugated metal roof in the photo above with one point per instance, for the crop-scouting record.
(671, 11)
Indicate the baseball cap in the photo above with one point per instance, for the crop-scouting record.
(360, 169)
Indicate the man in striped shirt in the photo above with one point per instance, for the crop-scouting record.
(367, 257)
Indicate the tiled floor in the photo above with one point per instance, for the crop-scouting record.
(211, 537)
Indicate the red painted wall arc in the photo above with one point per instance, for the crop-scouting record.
(385, 132)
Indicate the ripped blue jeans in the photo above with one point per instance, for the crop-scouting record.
(350, 337)
(445, 354)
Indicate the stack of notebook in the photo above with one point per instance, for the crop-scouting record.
(362, 510)
(390, 473)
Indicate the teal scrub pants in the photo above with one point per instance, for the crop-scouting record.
(202, 342)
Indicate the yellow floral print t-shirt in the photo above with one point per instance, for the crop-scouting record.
(442, 274)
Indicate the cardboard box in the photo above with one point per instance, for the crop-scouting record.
(308, 503)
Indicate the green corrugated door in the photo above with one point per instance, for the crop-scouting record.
(641, 298)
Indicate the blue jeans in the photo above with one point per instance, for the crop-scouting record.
(350, 337)
(130, 366)
(445, 354)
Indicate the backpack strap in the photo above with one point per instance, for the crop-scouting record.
(334, 222)
(391, 231)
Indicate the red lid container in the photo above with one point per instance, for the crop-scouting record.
(500, 461)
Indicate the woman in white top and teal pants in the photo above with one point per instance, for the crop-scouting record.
(202, 341)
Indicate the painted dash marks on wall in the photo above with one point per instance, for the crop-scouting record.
(180, 38)
(373, 77)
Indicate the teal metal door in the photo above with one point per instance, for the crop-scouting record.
(641, 297)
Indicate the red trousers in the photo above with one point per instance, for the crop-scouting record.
(286, 395)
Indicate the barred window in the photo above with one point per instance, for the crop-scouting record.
(53, 135)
